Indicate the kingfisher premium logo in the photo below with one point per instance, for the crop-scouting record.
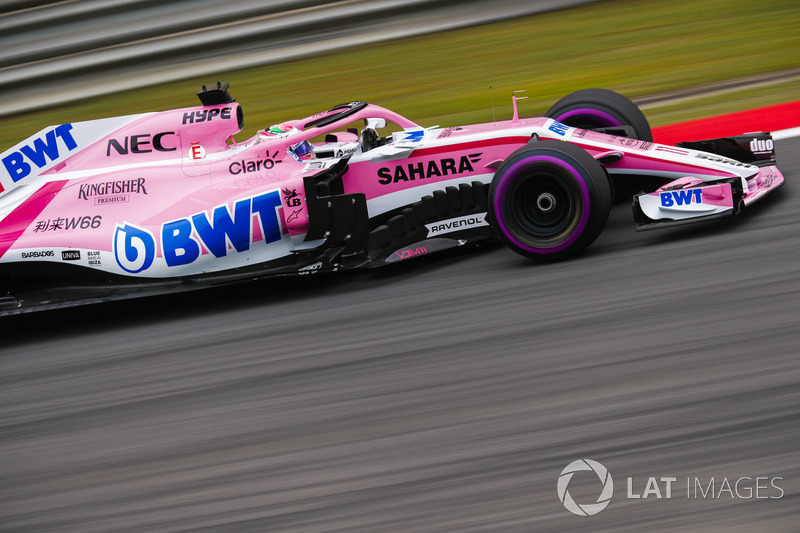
(112, 192)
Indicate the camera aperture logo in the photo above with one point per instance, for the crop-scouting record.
(665, 487)
(587, 509)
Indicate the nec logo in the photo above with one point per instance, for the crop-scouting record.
(140, 144)
(684, 197)
(43, 151)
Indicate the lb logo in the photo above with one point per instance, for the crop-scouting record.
(587, 509)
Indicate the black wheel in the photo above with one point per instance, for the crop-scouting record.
(600, 108)
(549, 200)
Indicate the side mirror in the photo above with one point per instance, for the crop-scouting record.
(375, 123)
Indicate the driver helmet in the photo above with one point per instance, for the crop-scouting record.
(301, 151)
(278, 130)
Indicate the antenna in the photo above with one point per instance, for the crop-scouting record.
(494, 119)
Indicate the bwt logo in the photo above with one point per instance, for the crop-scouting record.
(134, 248)
(558, 128)
(41, 152)
(682, 197)
(587, 509)
(181, 240)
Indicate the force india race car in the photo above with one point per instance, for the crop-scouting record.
(168, 201)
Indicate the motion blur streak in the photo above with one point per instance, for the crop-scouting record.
(445, 394)
(102, 46)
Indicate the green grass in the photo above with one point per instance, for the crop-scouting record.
(635, 47)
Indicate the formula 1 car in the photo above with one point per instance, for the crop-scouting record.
(168, 201)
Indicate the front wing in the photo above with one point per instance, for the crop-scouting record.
(689, 200)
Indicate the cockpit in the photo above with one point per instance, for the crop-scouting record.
(341, 132)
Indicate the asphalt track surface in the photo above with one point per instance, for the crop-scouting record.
(444, 394)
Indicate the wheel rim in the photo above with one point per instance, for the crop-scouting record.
(541, 205)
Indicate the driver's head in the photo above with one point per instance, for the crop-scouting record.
(278, 130)
(301, 151)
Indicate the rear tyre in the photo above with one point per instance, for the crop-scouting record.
(549, 200)
(600, 108)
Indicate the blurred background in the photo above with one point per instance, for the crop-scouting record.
(444, 394)
(433, 61)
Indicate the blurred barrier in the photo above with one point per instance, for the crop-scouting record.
(773, 118)
(76, 50)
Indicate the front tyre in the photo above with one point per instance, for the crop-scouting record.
(600, 108)
(549, 200)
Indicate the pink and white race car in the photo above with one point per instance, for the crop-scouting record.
(168, 201)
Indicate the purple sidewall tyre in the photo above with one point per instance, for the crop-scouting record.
(600, 108)
(549, 200)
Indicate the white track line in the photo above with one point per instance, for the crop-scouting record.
(786, 134)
